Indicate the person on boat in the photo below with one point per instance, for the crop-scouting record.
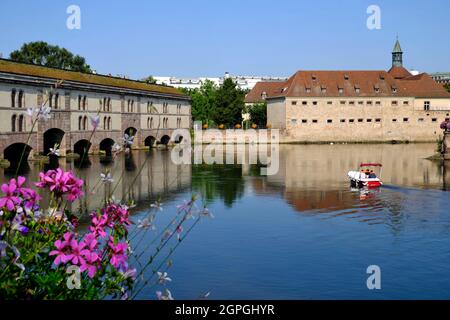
(362, 174)
(372, 175)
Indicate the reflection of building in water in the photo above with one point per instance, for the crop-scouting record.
(155, 177)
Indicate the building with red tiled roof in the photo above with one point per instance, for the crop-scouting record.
(372, 105)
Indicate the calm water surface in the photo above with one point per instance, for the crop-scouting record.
(302, 233)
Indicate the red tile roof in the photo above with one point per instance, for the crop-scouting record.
(269, 87)
(399, 72)
(377, 83)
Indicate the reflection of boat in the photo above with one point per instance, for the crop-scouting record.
(365, 177)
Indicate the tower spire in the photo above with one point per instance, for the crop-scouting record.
(397, 55)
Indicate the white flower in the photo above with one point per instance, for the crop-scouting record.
(95, 121)
(179, 231)
(205, 213)
(130, 273)
(55, 151)
(30, 112)
(146, 224)
(116, 148)
(157, 205)
(128, 140)
(163, 277)
(106, 177)
(167, 295)
(167, 234)
(44, 113)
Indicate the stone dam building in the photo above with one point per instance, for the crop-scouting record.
(148, 112)
(355, 106)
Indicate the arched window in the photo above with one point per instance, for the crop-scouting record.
(85, 123)
(56, 100)
(109, 105)
(105, 123)
(21, 123)
(20, 99)
(80, 120)
(79, 102)
(109, 123)
(50, 100)
(151, 123)
(13, 98)
(13, 123)
(84, 102)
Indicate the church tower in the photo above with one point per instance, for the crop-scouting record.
(397, 55)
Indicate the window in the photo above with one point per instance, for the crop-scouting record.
(304, 121)
(329, 121)
(84, 102)
(56, 100)
(357, 90)
(308, 90)
(304, 103)
(342, 102)
(340, 90)
(377, 120)
(264, 95)
(80, 122)
(405, 119)
(294, 121)
(394, 120)
(178, 108)
(294, 103)
(85, 123)
(426, 105)
(394, 103)
(346, 76)
(314, 121)
(351, 120)
(149, 106)
(421, 120)
(20, 99)
(13, 123)
(360, 120)
(394, 90)
(314, 103)
(79, 102)
(343, 120)
(360, 103)
(369, 120)
(369, 103)
(378, 103)
(50, 100)
(352, 103)
(109, 123)
(178, 122)
(324, 89)
(165, 107)
(329, 102)
(21, 123)
(434, 120)
(109, 105)
(105, 123)
(13, 98)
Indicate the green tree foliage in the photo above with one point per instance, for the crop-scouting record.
(447, 87)
(150, 80)
(229, 104)
(203, 101)
(258, 114)
(44, 54)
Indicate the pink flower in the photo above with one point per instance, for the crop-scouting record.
(119, 256)
(61, 183)
(11, 199)
(75, 250)
(98, 225)
(60, 252)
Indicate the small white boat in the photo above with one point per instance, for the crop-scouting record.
(365, 177)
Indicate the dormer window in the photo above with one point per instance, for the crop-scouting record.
(308, 90)
(382, 76)
(394, 89)
(376, 88)
(357, 89)
(323, 89)
(340, 90)
(264, 95)
(313, 77)
(346, 76)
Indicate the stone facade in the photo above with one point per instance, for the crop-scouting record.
(73, 104)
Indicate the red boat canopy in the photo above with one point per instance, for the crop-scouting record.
(370, 165)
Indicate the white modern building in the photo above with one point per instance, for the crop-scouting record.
(244, 82)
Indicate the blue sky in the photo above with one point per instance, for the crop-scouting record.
(209, 37)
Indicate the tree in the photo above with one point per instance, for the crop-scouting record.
(44, 54)
(150, 80)
(447, 87)
(258, 113)
(203, 101)
(229, 104)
